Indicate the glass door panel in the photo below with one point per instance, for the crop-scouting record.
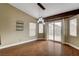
(57, 30)
(50, 34)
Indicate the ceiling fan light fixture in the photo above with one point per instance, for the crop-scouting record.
(41, 20)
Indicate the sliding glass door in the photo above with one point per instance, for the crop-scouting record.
(55, 32)
(50, 32)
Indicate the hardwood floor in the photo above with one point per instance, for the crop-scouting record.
(40, 48)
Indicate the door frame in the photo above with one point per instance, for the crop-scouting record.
(62, 30)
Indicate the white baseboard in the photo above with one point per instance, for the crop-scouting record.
(72, 45)
(6, 46)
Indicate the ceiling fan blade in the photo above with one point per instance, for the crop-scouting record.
(41, 6)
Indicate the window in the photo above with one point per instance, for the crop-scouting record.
(73, 27)
(40, 28)
(32, 29)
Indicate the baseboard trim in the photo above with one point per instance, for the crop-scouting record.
(67, 44)
(7, 46)
(72, 45)
(41, 39)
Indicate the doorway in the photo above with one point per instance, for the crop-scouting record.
(55, 31)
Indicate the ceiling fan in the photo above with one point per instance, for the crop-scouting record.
(40, 19)
(41, 6)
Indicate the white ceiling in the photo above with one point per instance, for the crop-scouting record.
(51, 8)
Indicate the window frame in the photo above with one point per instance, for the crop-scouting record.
(70, 33)
(32, 28)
